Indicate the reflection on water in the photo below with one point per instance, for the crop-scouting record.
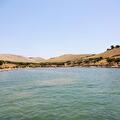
(60, 94)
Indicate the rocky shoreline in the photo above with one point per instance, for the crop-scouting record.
(9, 69)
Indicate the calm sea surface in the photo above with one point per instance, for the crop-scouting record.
(60, 94)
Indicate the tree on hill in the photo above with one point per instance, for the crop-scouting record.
(108, 49)
(112, 47)
(117, 46)
(86, 61)
(109, 60)
(1, 62)
(117, 60)
(98, 59)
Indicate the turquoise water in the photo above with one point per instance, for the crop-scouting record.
(60, 94)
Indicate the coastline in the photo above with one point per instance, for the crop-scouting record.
(11, 69)
(108, 59)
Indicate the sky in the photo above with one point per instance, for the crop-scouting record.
(48, 28)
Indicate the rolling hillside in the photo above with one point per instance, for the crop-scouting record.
(68, 57)
(18, 58)
(109, 53)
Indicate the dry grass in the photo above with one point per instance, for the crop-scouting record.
(67, 57)
(64, 58)
(110, 53)
(18, 58)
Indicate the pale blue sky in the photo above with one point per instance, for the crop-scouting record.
(50, 28)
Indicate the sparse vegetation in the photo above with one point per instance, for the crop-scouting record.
(117, 60)
(117, 46)
(1, 62)
(111, 58)
(112, 47)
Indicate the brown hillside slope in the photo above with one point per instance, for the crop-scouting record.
(36, 59)
(68, 57)
(109, 53)
(18, 58)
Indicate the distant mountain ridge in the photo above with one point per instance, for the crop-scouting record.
(110, 53)
(18, 58)
(68, 57)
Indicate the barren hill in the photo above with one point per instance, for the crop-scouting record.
(18, 58)
(109, 53)
(68, 57)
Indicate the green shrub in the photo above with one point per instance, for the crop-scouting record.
(109, 60)
(117, 60)
(1, 62)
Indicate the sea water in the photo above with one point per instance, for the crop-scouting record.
(60, 94)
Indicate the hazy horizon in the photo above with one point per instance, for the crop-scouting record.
(51, 28)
